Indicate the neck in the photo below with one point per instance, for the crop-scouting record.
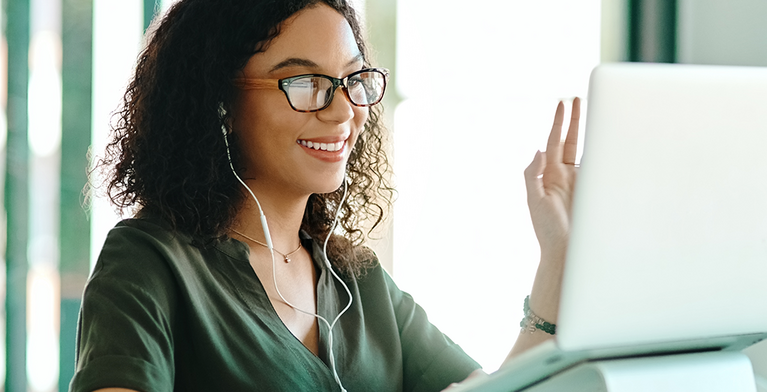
(283, 216)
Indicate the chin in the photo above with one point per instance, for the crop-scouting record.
(328, 184)
(331, 185)
(332, 189)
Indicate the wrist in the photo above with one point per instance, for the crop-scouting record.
(546, 290)
(532, 322)
(554, 254)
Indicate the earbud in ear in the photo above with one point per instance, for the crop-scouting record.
(222, 114)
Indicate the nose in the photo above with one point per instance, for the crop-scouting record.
(340, 109)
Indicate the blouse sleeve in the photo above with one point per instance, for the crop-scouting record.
(431, 361)
(124, 333)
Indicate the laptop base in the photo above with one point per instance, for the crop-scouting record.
(547, 361)
(699, 372)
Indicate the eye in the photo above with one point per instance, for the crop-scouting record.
(355, 81)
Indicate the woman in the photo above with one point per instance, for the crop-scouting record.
(236, 150)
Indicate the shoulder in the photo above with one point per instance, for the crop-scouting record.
(145, 230)
(135, 260)
(144, 239)
(149, 252)
(146, 252)
(138, 244)
(376, 285)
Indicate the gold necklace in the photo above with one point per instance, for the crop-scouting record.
(286, 256)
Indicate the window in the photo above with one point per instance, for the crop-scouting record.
(480, 85)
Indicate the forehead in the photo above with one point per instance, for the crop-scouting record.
(319, 34)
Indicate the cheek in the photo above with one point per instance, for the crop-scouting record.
(361, 117)
(243, 110)
(254, 113)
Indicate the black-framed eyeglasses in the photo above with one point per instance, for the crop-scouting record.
(314, 92)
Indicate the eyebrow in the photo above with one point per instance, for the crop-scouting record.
(298, 62)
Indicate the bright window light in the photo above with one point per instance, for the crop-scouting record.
(45, 93)
(481, 85)
(117, 27)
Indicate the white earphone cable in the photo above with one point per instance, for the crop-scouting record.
(331, 356)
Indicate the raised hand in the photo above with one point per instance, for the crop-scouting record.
(550, 182)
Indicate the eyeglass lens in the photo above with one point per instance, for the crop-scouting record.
(315, 92)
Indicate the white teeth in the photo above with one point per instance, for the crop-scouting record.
(332, 147)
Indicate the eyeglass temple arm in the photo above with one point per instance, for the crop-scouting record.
(256, 84)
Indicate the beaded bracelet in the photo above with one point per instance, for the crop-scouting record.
(531, 322)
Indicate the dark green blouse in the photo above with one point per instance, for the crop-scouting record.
(160, 314)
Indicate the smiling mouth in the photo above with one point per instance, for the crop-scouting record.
(330, 147)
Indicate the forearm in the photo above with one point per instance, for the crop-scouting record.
(544, 299)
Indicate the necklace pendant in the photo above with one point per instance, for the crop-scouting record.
(287, 259)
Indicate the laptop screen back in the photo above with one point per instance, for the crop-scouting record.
(669, 233)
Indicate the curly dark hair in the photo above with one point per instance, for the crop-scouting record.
(167, 158)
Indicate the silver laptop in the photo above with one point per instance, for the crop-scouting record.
(668, 249)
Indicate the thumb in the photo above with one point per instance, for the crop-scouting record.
(533, 175)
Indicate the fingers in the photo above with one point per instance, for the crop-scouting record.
(554, 145)
(571, 142)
